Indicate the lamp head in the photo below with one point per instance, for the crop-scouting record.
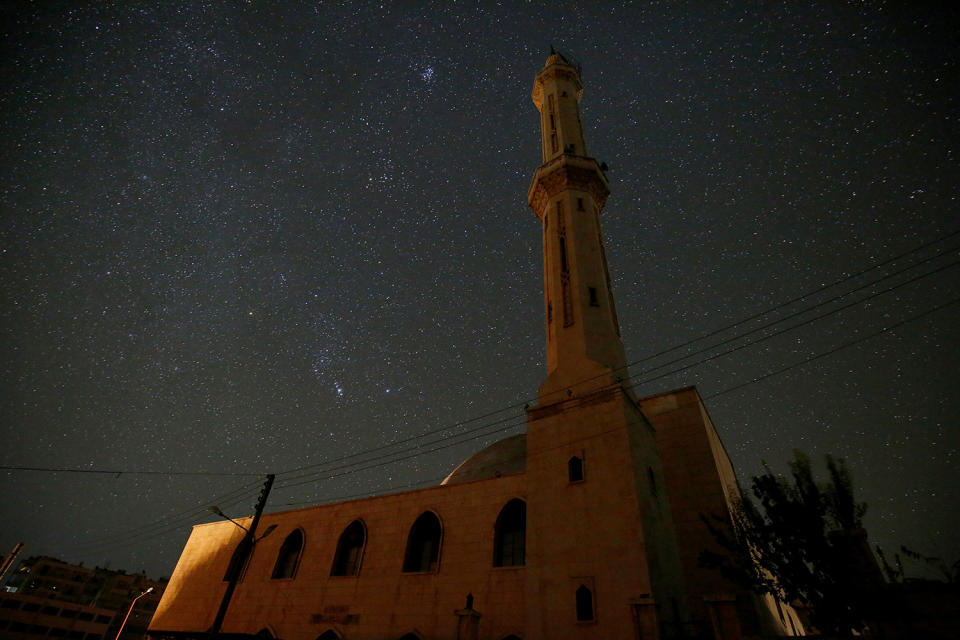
(267, 532)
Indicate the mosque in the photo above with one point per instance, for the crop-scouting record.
(586, 526)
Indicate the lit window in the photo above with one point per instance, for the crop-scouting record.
(346, 561)
(423, 544)
(289, 557)
(510, 532)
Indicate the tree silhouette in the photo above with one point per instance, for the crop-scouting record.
(803, 541)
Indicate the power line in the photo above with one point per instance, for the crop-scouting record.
(481, 430)
(176, 519)
(775, 333)
(173, 523)
(119, 472)
(129, 472)
(790, 302)
(712, 333)
(390, 458)
(808, 294)
(841, 347)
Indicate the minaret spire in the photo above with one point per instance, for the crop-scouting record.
(568, 191)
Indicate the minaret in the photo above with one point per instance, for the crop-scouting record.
(592, 465)
(568, 191)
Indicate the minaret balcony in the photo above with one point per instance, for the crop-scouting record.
(563, 173)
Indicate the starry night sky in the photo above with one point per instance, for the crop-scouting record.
(256, 239)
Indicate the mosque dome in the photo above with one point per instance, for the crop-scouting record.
(499, 459)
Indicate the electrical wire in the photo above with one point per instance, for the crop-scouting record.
(841, 347)
(164, 525)
(129, 472)
(118, 472)
(781, 331)
(649, 370)
(229, 498)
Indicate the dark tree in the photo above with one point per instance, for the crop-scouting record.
(803, 541)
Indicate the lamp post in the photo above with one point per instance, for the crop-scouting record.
(247, 543)
(130, 610)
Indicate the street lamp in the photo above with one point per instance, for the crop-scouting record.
(247, 544)
(215, 509)
(132, 602)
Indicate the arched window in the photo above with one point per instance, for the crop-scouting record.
(423, 544)
(264, 633)
(510, 534)
(410, 636)
(346, 561)
(511, 637)
(329, 634)
(575, 469)
(584, 604)
(289, 556)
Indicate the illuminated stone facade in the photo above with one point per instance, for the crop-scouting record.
(587, 526)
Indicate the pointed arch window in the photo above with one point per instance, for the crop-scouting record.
(423, 544)
(329, 634)
(346, 561)
(289, 556)
(584, 604)
(510, 534)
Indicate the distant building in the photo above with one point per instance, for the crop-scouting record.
(586, 526)
(49, 598)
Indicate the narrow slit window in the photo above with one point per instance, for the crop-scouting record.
(575, 469)
(584, 604)
(580, 204)
(594, 302)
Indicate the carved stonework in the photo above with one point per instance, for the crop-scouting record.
(550, 181)
(554, 72)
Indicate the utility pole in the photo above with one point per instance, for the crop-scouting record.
(247, 544)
